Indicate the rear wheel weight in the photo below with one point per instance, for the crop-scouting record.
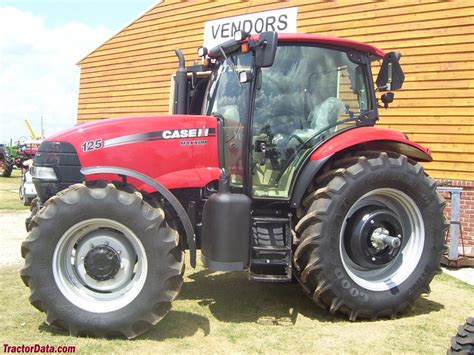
(372, 236)
(102, 262)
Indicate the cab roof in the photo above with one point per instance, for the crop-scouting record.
(330, 40)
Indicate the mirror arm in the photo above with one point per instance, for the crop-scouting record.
(389, 79)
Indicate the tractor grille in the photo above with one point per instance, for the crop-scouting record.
(62, 156)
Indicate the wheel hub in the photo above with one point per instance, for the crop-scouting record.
(102, 263)
(373, 237)
(381, 238)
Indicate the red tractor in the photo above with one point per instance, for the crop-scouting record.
(271, 164)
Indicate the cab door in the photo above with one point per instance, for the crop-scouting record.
(229, 99)
(307, 96)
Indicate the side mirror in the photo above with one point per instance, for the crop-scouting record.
(202, 51)
(266, 49)
(240, 35)
(387, 99)
(391, 75)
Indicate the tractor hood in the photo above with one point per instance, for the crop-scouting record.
(178, 151)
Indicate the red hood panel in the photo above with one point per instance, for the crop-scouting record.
(177, 151)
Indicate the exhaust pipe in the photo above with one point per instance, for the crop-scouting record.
(181, 86)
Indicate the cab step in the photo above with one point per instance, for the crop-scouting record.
(270, 249)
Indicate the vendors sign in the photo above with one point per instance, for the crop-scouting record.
(221, 30)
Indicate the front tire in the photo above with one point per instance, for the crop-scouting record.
(372, 236)
(102, 262)
(35, 206)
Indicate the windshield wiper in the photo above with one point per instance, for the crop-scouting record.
(231, 64)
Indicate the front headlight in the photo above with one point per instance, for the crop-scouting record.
(43, 173)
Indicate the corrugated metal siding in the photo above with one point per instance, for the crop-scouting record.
(130, 73)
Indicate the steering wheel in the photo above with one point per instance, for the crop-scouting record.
(298, 138)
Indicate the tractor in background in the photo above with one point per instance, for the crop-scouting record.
(6, 161)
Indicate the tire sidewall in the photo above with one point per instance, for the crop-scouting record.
(7, 166)
(51, 231)
(415, 186)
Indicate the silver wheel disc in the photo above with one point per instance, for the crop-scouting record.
(85, 290)
(397, 270)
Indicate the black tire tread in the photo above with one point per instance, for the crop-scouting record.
(308, 229)
(463, 341)
(7, 166)
(126, 196)
(35, 206)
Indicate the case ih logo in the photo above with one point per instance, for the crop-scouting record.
(160, 135)
(186, 133)
(221, 30)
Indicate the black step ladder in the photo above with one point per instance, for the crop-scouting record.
(270, 249)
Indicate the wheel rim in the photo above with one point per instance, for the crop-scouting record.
(388, 260)
(100, 265)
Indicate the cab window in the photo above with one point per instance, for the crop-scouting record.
(309, 94)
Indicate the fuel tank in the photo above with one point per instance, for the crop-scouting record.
(178, 151)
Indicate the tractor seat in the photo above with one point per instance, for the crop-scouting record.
(322, 116)
(326, 114)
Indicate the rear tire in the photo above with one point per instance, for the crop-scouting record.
(6, 166)
(102, 262)
(463, 341)
(343, 258)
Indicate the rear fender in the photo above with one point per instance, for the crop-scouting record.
(371, 138)
(357, 139)
(165, 193)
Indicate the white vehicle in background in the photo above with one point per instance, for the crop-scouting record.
(27, 190)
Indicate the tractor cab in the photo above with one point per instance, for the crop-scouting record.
(280, 97)
(277, 98)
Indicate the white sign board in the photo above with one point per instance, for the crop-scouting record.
(221, 30)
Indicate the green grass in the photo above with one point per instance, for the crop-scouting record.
(9, 199)
(226, 313)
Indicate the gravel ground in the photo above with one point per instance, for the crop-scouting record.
(12, 234)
